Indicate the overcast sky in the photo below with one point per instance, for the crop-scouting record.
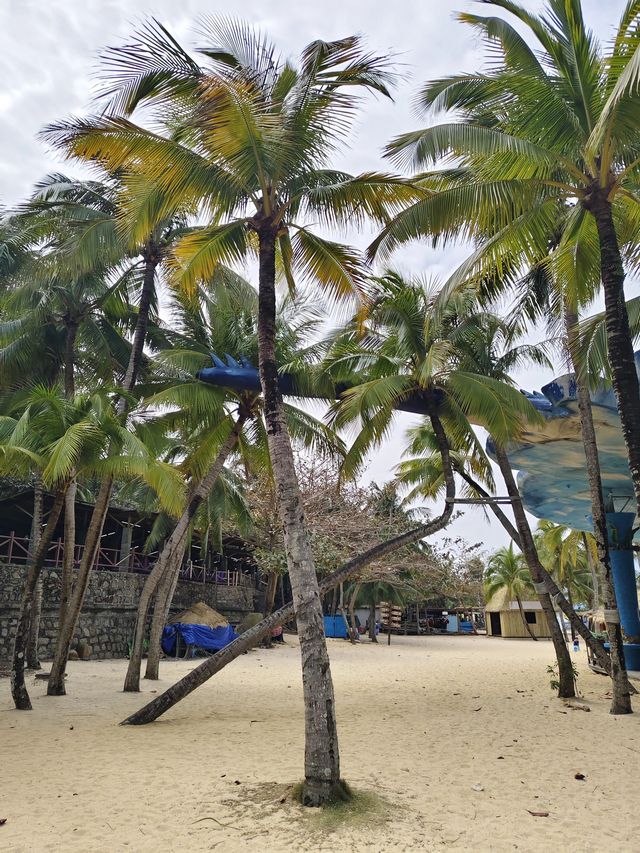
(48, 51)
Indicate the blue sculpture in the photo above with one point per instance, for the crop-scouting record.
(550, 460)
(553, 483)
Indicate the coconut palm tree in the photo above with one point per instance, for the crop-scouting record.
(251, 142)
(444, 346)
(64, 437)
(537, 129)
(223, 318)
(508, 572)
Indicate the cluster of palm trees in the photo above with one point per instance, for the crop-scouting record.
(224, 161)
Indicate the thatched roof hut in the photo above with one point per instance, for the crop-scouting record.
(503, 617)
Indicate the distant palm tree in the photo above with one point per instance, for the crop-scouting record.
(508, 572)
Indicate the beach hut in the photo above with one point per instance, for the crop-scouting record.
(503, 618)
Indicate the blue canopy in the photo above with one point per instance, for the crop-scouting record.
(210, 639)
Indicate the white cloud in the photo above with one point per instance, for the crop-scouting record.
(48, 52)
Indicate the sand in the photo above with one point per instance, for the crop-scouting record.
(456, 739)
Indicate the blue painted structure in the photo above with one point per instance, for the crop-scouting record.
(550, 460)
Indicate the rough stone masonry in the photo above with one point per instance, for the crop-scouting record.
(109, 612)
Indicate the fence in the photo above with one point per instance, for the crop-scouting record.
(15, 550)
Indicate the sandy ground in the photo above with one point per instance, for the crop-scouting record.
(457, 740)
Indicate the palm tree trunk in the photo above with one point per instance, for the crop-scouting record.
(270, 594)
(322, 758)
(68, 551)
(595, 580)
(619, 339)
(18, 688)
(151, 256)
(566, 687)
(570, 600)
(596, 647)
(66, 630)
(98, 516)
(621, 701)
(354, 636)
(524, 620)
(69, 542)
(181, 689)
(164, 597)
(33, 661)
(169, 560)
(372, 622)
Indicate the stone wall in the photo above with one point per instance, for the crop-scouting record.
(109, 613)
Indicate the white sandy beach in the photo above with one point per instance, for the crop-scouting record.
(422, 723)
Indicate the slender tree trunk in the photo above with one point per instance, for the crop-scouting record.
(68, 551)
(170, 558)
(570, 600)
(562, 625)
(270, 593)
(18, 687)
(565, 668)
(69, 541)
(66, 630)
(595, 646)
(621, 701)
(354, 636)
(322, 758)
(208, 668)
(33, 661)
(92, 540)
(151, 256)
(595, 580)
(619, 339)
(164, 597)
(372, 623)
(524, 619)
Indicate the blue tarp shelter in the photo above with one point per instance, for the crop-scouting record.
(200, 636)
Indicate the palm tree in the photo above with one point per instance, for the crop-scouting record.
(538, 129)
(441, 345)
(252, 137)
(223, 319)
(61, 438)
(507, 571)
(371, 593)
(569, 554)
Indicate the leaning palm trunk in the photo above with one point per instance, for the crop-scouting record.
(161, 608)
(566, 686)
(33, 661)
(596, 647)
(253, 636)
(524, 619)
(18, 688)
(181, 689)
(94, 532)
(621, 699)
(322, 758)
(55, 685)
(169, 561)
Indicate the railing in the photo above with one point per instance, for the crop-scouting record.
(15, 550)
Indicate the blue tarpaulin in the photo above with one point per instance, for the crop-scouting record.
(211, 639)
